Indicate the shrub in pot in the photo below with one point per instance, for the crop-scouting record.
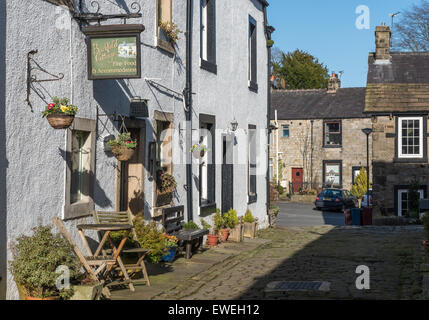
(230, 221)
(35, 260)
(123, 147)
(220, 226)
(250, 225)
(60, 113)
(151, 237)
(171, 245)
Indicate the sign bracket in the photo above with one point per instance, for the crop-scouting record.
(87, 17)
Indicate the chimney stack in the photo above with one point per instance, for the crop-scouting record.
(334, 83)
(382, 42)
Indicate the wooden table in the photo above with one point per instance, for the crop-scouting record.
(107, 229)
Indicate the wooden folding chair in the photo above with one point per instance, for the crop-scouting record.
(94, 266)
(124, 217)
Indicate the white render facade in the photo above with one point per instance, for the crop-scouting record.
(35, 158)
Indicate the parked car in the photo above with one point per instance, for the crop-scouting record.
(335, 199)
(364, 203)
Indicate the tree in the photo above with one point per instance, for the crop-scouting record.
(411, 32)
(360, 186)
(300, 70)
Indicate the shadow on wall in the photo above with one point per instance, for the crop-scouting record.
(3, 160)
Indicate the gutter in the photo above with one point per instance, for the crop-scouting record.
(187, 92)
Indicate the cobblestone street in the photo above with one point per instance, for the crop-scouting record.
(325, 253)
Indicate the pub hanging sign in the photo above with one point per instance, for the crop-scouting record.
(114, 51)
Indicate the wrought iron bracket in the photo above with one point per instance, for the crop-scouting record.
(87, 17)
(31, 78)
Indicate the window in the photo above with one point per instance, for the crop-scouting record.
(403, 201)
(332, 173)
(252, 55)
(410, 137)
(252, 164)
(285, 131)
(164, 14)
(80, 158)
(207, 165)
(332, 136)
(208, 35)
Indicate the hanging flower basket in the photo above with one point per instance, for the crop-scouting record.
(60, 113)
(198, 150)
(123, 147)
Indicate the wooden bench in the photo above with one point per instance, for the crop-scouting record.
(173, 221)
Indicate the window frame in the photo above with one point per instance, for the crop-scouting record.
(252, 197)
(160, 43)
(86, 207)
(205, 62)
(253, 55)
(326, 162)
(283, 128)
(422, 157)
(398, 188)
(325, 122)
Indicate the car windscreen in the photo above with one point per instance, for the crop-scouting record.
(332, 193)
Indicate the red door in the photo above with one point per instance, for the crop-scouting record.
(297, 179)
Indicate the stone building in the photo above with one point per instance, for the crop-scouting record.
(397, 98)
(210, 79)
(319, 140)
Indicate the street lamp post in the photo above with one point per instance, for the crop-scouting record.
(367, 131)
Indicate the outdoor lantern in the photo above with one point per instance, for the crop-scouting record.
(139, 108)
(234, 125)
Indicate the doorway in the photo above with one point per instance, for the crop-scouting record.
(227, 173)
(297, 179)
(130, 186)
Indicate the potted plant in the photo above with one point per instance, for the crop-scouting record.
(230, 222)
(198, 150)
(236, 226)
(123, 146)
(171, 31)
(166, 185)
(213, 236)
(272, 215)
(171, 248)
(250, 225)
(220, 225)
(151, 237)
(60, 113)
(86, 288)
(35, 261)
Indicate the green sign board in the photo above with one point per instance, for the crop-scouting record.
(113, 54)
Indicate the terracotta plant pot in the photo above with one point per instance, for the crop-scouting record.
(225, 234)
(122, 153)
(47, 298)
(60, 121)
(212, 240)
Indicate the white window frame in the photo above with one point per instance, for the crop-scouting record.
(400, 192)
(421, 127)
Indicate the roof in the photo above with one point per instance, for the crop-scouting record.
(401, 85)
(318, 104)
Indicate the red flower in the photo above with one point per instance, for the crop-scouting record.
(128, 141)
(50, 106)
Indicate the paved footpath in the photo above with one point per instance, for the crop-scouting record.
(325, 253)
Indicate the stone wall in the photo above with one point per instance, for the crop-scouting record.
(387, 172)
(296, 150)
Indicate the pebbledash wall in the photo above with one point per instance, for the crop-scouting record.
(33, 166)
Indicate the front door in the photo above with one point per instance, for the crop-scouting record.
(227, 174)
(131, 177)
(297, 179)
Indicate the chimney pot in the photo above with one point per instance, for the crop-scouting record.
(334, 83)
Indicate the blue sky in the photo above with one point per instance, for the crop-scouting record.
(326, 29)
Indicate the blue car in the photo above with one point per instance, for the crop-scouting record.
(335, 199)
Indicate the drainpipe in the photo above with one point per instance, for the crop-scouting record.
(311, 155)
(277, 149)
(188, 97)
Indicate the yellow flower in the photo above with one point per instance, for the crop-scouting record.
(64, 108)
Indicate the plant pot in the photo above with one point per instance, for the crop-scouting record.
(60, 121)
(163, 199)
(224, 234)
(212, 240)
(236, 234)
(87, 292)
(47, 298)
(171, 255)
(122, 153)
(250, 229)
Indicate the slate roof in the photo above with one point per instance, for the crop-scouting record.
(400, 86)
(318, 104)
